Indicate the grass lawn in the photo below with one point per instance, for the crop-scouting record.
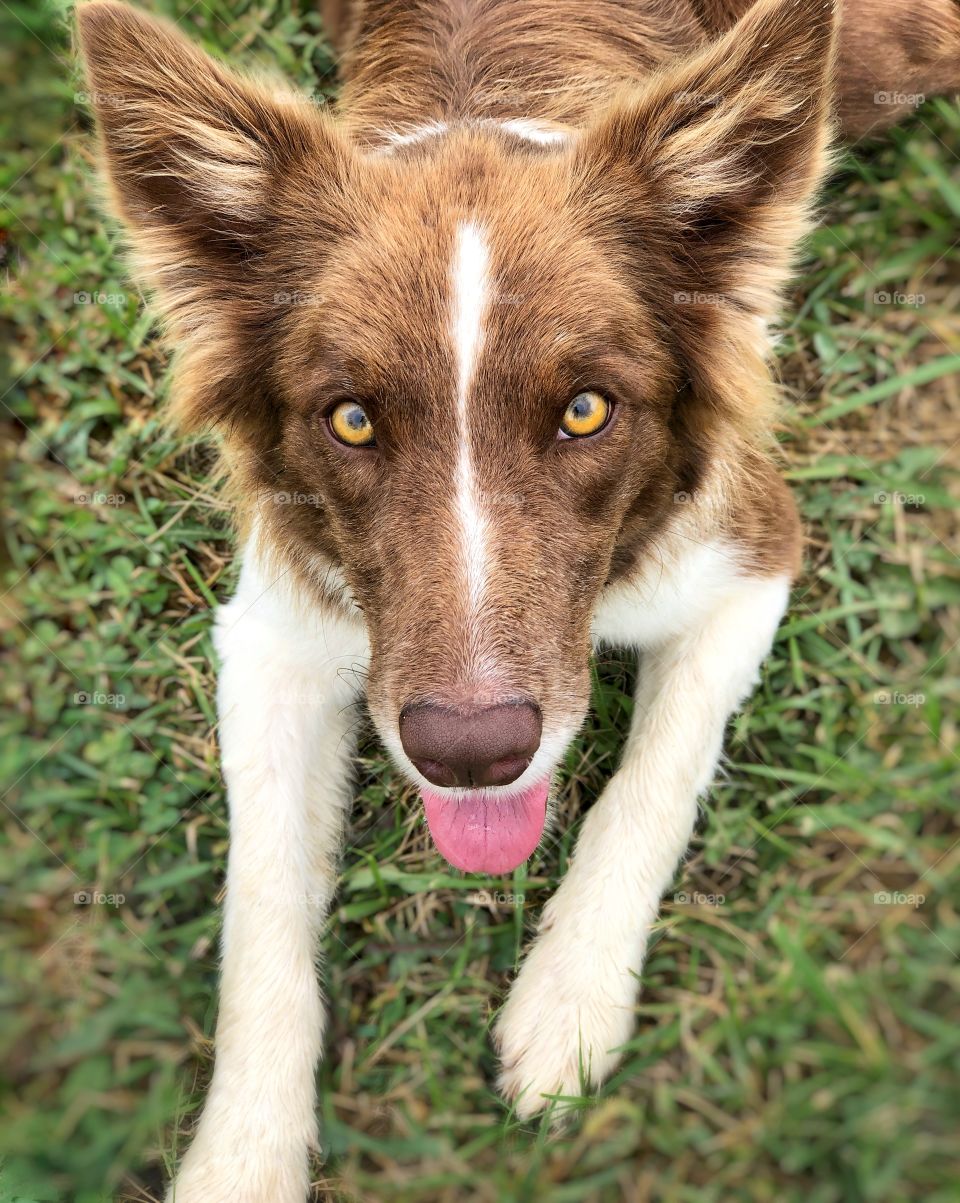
(798, 1034)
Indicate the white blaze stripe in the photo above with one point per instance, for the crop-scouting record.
(470, 283)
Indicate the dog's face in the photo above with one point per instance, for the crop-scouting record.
(479, 400)
(470, 370)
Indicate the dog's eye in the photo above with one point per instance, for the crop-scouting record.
(586, 414)
(350, 424)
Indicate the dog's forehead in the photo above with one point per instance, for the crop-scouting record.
(471, 242)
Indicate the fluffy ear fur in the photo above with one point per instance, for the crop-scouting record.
(707, 177)
(199, 162)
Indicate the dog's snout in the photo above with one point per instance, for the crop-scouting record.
(473, 745)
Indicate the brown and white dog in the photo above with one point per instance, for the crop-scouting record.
(489, 351)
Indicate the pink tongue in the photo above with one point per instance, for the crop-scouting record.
(484, 833)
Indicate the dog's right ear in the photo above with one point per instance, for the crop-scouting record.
(219, 180)
(195, 152)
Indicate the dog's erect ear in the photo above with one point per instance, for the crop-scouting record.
(192, 149)
(726, 147)
(220, 180)
(707, 174)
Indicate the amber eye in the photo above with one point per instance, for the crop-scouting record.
(350, 424)
(586, 414)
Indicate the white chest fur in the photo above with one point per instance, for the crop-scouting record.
(677, 590)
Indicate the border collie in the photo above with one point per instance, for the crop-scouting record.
(488, 347)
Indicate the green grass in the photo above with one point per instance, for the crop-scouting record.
(797, 1039)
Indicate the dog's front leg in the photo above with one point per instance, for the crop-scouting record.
(573, 1004)
(285, 694)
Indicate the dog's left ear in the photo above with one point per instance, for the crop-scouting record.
(706, 176)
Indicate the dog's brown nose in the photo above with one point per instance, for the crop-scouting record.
(472, 745)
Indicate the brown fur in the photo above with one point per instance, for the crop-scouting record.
(299, 259)
(407, 63)
(891, 54)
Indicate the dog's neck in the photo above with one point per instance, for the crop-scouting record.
(411, 71)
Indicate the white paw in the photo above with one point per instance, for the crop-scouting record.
(560, 1031)
(239, 1172)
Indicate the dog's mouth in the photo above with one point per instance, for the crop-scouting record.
(483, 832)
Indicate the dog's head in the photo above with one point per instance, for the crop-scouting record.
(469, 368)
